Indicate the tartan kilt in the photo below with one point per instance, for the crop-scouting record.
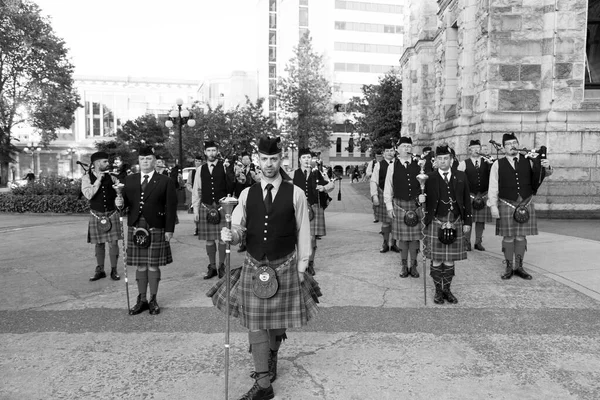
(380, 211)
(507, 226)
(483, 215)
(317, 225)
(436, 250)
(292, 306)
(401, 231)
(207, 231)
(157, 255)
(96, 236)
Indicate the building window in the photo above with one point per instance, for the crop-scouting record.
(273, 5)
(340, 25)
(272, 87)
(303, 2)
(592, 46)
(303, 17)
(272, 38)
(373, 7)
(272, 71)
(338, 145)
(272, 103)
(272, 21)
(272, 54)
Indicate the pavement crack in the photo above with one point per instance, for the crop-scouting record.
(384, 298)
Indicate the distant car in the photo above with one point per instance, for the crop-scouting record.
(186, 172)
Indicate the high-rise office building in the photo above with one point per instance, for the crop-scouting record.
(359, 40)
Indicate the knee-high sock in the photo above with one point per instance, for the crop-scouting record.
(313, 246)
(259, 340)
(435, 271)
(520, 247)
(142, 281)
(413, 249)
(276, 337)
(479, 227)
(385, 231)
(508, 248)
(211, 251)
(113, 253)
(403, 245)
(153, 279)
(99, 251)
(222, 249)
(447, 274)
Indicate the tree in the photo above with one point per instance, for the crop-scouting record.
(304, 98)
(36, 84)
(378, 113)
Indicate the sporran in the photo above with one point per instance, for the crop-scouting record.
(141, 238)
(264, 282)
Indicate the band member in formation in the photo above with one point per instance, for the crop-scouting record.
(401, 201)
(104, 224)
(377, 185)
(514, 180)
(190, 184)
(245, 177)
(271, 291)
(212, 183)
(151, 201)
(477, 169)
(369, 175)
(120, 169)
(313, 183)
(447, 218)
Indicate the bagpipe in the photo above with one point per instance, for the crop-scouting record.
(533, 154)
(489, 159)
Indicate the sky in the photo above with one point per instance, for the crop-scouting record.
(181, 39)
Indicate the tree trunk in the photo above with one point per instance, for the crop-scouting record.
(4, 173)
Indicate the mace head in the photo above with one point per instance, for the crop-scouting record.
(228, 203)
(422, 178)
(118, 187)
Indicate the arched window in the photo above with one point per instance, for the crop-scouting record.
(338, 145)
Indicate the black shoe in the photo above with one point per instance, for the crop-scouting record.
(98, 275)
(520, 272)
(221, 271)
(196, 232)
(318, 237)
(375, 221)
(509, 270)
(257, 392)
(113, 274)
(413, 270)
(438, 297)
(139, 307)
(242, 249)
(449, 296)
(395, 248)
(384, 248)
(311, 268)
(468, 245)
(153, 306)
(273, 365)
(479, 246)
(211, 273)
(404, 272)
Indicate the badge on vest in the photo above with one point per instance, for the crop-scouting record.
(264, 282)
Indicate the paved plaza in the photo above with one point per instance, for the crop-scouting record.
(63, 337)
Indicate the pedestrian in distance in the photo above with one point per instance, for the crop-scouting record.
(189, 185)
(369, 174)
(150, 200)
(104, 224)
(447, 218)
(272, 291)
(212, 183)
(514, 180)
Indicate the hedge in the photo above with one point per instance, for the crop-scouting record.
(50, 203)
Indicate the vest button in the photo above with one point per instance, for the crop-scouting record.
(266, 223)
(265, 231)
(266, 216)
(265, 239)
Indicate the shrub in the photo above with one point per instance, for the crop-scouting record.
(51, 185)
(46, 203)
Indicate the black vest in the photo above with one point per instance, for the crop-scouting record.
(447, 192)
(511, 182)
(479, 178)
(273, 235)
(214, 187)
(383, 168)
(104, 199)
(309, 187)
(406, 185)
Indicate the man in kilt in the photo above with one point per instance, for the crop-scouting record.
(104, 224)
(369, 175)
(312, 182)
(447, 218)
(377, 185)
(401, 200)
(212, 183)
(151, 201)
(514, 180)
(477, 169)
(273, 216)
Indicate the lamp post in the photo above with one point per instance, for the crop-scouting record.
(31, 149)
(180, 117)
(71, 151)
(292, 147)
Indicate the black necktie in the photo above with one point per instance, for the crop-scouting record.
(144, 182)
(516, 160)
(211, 168)
(406, 162)
(477, 164)
(305, 175)
(268, 198)
(446, 177)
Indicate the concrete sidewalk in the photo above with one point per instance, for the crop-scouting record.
(62, 337)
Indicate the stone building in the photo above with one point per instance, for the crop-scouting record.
(476, 69)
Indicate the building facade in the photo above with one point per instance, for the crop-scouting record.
(229, 91)
(476, 69)
(108, 102)
(359, 40)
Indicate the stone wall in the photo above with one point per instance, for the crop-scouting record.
(497, 66)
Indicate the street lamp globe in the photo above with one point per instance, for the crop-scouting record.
(191, 123)
(174, 114)
(179, 102)
(169, 124)
(185, 113)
